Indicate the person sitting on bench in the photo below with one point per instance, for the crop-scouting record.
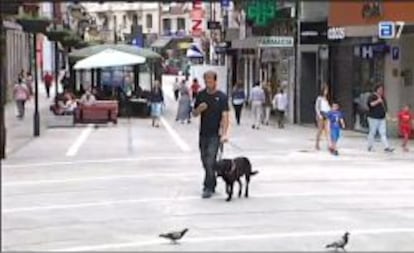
(88, 98)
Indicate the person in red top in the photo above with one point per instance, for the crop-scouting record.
(48, 79)
(405, 119)
(195, 88)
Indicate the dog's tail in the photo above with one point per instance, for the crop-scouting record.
(254, 172)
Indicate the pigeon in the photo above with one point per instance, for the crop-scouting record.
(340, 244)
(174, 236)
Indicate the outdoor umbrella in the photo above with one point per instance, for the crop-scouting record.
(109, 58)
(194, 52)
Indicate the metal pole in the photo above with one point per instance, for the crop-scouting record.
(296, 101)
(36, 117)
(3, 89)
(56, 52)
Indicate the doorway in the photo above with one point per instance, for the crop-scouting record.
(308, 87)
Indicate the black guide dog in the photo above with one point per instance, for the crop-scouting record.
(232, 170)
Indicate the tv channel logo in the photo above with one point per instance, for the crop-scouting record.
(390, 29)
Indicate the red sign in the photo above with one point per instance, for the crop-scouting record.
(197, 15)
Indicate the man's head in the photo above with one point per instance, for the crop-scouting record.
(210, 79)
(335, 106)
(379, 89)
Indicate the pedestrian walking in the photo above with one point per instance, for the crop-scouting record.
(176, 89)
(257, 99)
(280, 102)
(238, 99)
(157, 102)
(267, 103)
(211, 104)
(336, 122)
(405, 123)
(322, 107)
(29, 83)
(21, 95)
(184, 104)
(377, 118)
(48, 79)
(195, 88)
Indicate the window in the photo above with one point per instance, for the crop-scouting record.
(149, 20)
(135, 19)
(166, 25)
(181, 24)
(124, 21)
(105, 23)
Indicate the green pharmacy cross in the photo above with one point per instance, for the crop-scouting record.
(261, 11)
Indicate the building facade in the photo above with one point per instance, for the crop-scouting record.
(17, 55)
(361, 59)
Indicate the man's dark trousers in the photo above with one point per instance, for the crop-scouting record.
(208, 150)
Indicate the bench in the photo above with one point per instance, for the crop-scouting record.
(102, 111)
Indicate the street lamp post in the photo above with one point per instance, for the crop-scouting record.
(56, 53)
(2, 91)
(36, 116)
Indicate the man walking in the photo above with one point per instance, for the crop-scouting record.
(257, 99)
(377, 118)
(213, 107)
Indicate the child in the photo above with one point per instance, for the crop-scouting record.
(405, 119)
(336, 121)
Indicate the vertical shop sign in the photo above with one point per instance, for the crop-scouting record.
(197, 15)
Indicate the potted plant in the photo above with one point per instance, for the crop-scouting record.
(33, 24)
(81, 44)
(71, 40)
(57, 34)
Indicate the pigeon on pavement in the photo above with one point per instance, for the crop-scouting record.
(340, 244)
(174, 236)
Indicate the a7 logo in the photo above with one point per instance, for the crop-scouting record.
(390, 29)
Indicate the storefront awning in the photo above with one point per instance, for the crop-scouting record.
(248, 43)
(161, 43)
(184, 45)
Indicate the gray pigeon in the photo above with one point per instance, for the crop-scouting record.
(174, 236)
(340, 244)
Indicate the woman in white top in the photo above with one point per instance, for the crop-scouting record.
(322, 107)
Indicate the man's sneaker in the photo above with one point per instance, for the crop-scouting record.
(389, 150)
(370, 149)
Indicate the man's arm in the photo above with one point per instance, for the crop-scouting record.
(373, 101)
(199, 106)
(225, 122)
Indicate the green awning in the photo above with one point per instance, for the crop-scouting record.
(89, 51)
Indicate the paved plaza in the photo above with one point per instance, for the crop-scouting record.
(118, 187)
